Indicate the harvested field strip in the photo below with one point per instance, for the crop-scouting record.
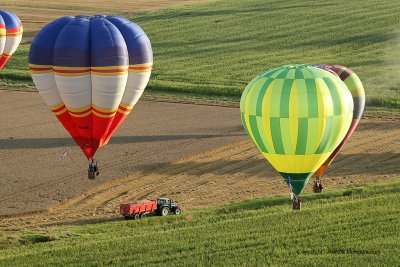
(350, 230)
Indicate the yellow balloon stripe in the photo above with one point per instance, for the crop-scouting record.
(245, 92)
(324, 108)
(286, 136)
(325, 105)
(340, 120)
(247, 106)
(308, 163)
(303, 98)
(293, 115)
(313, 135)
(266, 122)
(355, 86)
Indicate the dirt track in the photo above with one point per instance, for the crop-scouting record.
(34, 14)
(219, 165)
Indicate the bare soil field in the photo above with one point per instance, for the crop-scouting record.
(33, 175)
(196, 154)
(34, 14)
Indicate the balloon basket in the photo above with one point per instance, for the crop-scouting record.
(91, 175)
(316, 189)
(296, 204)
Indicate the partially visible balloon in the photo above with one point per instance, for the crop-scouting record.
(357, 92)
(10, 35)
(91, 71)
(296, 115)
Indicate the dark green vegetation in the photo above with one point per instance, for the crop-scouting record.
(216, 49)
(353, 227)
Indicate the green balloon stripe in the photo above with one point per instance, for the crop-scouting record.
(302, 98)
(276, 135)
(299, 74)
(334, 135)
(269, 73)
(244, 122)
(302, 136)
(333, 90)
(327, 132)
(283, 74)
(263, 135)
(285, 98)
(287, 136)
(257, 137)
(274, 73)
(260, 99)
(312, 100)
(275, 98)
(246, 92)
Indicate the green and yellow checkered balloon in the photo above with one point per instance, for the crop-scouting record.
(296, 115)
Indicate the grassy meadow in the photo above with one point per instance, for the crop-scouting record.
(354, 227)
(215, 49)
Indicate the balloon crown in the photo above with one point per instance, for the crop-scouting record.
(97, 16)
(295, 66)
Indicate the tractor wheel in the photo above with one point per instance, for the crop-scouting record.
(142, 216)
(178, 211)
(128, 217)
(165, 211)
(136, 217)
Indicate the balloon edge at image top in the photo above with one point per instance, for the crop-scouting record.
(91, 71)
(11, 31)
(296, 115)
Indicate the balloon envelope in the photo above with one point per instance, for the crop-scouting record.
(356, 88)
(10, 35)
(91, 71)
(296, 115)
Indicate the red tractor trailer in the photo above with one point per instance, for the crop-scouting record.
(161, 206)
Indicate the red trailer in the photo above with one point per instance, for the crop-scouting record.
(138, 210)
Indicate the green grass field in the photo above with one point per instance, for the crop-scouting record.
(216, 49)
(353, 227)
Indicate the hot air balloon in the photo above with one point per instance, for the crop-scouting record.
(296, 115)
(357, 92)
(91, 71)
(10, 35)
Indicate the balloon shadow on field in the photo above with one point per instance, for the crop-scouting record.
(343, 166)
(233, 11)
(26, 143)
(361, 39)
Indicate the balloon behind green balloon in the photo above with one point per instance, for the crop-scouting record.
(356, 88)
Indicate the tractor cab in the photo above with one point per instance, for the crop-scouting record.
(166, 206)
